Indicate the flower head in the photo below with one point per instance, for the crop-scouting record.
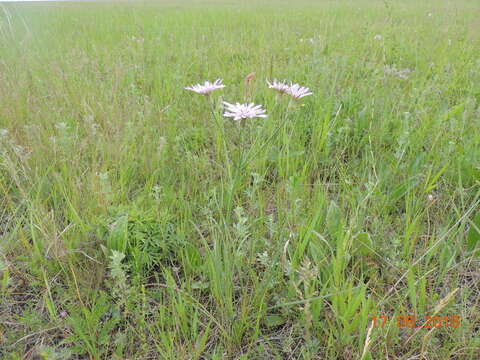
(281, 87)
(377, 37)
(206, 88)
(393, 71)
(244, 111)
(297, 92)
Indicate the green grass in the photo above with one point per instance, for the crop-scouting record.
(138, 223)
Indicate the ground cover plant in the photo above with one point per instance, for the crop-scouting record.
(141, 220)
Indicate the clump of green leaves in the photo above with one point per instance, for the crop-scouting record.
(145, 238)
(92, 327)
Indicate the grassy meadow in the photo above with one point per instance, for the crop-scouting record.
(136, 222)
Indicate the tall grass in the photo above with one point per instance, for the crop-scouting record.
(136, 222)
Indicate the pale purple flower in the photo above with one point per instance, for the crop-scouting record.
(206, 88)
(393, 71)
(297, 92)
(281, 87)
(243, 111)
(404, 73)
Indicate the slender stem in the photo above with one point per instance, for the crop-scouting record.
(228, 163)
(274, 134)
(222, 135)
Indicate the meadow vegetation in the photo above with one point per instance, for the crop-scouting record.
(136, 222)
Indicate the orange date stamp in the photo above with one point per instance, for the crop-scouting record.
(410, 321)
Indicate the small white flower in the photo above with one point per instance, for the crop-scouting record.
(297, 92)
(243, 111)
(401, 73)
(206, 88)
(61, 125)
(377, 37)
(404, 73)
(161, 144)
(281, 87)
